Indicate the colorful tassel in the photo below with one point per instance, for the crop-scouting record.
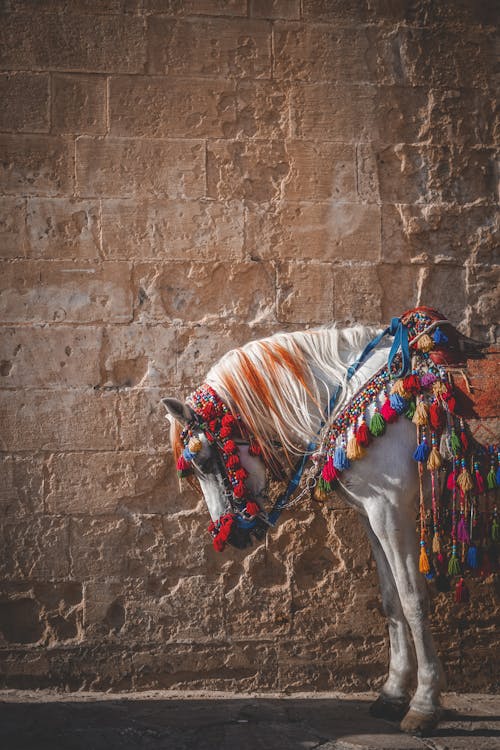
(423, 563)
(461, 592)
(354, 450)
(436, 544)
(440, 337)
(421, 416)
(388, 413)
(435, 460)
(183, 467)
(363, 434)
(495, 530)
(377, 424)
(410, 411)
(340, 460)
(491, 481)
(436, 415)
(398, 403)
(453, 563)
(329, 472)
(464, 479)
(439, 388)
(451, 481)
(399, 389)
(456, 445)
(422, 451)
(252, 508)
(425, 343)
(427, 379)
(472, 557)
(412, 384)
(462, 531)
(479, 479)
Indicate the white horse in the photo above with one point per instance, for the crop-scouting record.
(281, 387)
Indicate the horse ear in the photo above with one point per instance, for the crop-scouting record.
(179, 411)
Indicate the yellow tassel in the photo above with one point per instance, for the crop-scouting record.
(399, 389)
(195, 445)
(435, 460)
(425, 343)
(438, 388)
(354, 450)
(436, 544)
(423, 563)
(464, 481)
(320, 495)
(421, 416)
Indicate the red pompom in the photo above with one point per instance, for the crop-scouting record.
(241, 474)
(254, 448)
(329, 472)
(252, 509)
(232, 462)
(388, 413)
(212, 425)
(229, 447)
(436, 415)
(182, 464)
(208, 411)
(412, 384)
(225, 432)
(228, 420)
(363, 435)
(239, 490)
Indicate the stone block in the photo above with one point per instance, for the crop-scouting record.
(399, 285)
(96, 484)
(142, 420)
(59, 291)
(78, 104)
(320, 171)
(210, 47)
(87, 42)
(246, 170)
(25, 102)
(197, 7)
(35, 549)
(131, 167)
(289, 9)
(305, 292)
(35, 420)
(483, 305)
(50, 357)
(358, 112)
(82, 7)
(12, 227)
(319, 231)
(63, 228)
(204, 292)
(463, 117)
(137, 355)
(172, 229)
(355, 10)
(35, 165)
(21, 488)
(437, 233)
(356, 295)
(428, 174)
(191, 610)
(262, 110)
(310, 53)
(444, 287)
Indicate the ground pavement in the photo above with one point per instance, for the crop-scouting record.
(160, 720)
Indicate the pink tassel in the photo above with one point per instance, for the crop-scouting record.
(388, 413)
(329, 472)
(462, 533)
(451, 481)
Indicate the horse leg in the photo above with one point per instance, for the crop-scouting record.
(393, 524)
(393, 700)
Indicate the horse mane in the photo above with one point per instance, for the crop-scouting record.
(278, 384)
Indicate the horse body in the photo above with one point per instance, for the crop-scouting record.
(283, 386)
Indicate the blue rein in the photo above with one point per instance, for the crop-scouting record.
(400, 343)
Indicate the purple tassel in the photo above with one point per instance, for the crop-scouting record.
(427, 379)
(462, 533)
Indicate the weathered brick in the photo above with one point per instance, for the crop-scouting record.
(465, 117)
(428, 174)
(246, 170)
(439, 234)
(305, 292)
(21, 487)
(95, 483)
(320, 171)
(82, 6)
(356, 295)
(90, 43)
(35, 165)
(61, 228)
(262, 110)
(358, 112)
(78, 104)
(448, 285)
(209, 47)
(25, 102)
(203, 292)
(13, 238)
(275, 9)
(197, 7)
(172, 229)
(69, 357)
(137, 355)
(320, 231)
(142, 419)
(399, 286)
(36, 549)
(72, 419)
(57, 291)
(124, 168)
(326, 53)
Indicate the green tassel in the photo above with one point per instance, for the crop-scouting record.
(377, 424)
(410, 410)
(456, 445)
(453, 566)
(495, 531)
(324, 486)
(491, 481)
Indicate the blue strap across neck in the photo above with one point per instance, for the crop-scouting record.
(401, 342)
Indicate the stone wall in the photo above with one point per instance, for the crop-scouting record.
(179, 176)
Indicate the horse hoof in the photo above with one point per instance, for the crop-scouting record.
(383, 708)
(420, 724)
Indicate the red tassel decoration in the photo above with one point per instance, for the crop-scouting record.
(461, 592)
(239, 490)
(479, 482)
(388, 413)
(451, 481)
(329, 473)
(252, 509)
(412, 384)
(254, 448)
(232, 462)
(363, 434)
(436, 415)
(463, 439)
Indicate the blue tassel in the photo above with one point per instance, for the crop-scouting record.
(472, 557)
(440, 337)
(498, 477)
(340, 460)
(188, 455)
(422, 452)
(398, 403)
